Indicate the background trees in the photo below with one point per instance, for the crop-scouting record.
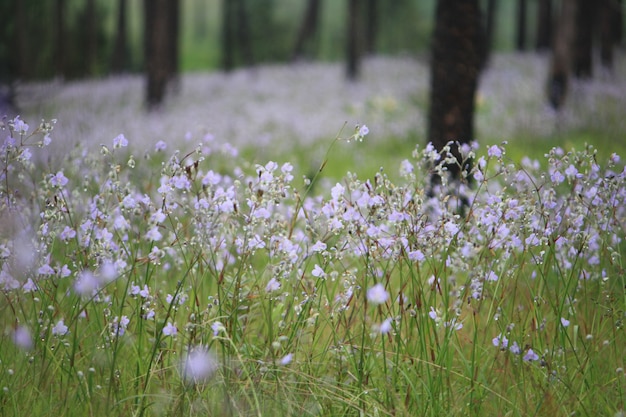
(70, 39)
(458, 48)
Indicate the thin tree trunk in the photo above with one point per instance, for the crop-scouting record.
(354, 40)
(490, 26)
(371, 26)
(119, 62)
(228, 44)
(308, 28)
(244, 39)
(583, 49)
(173, 23)
(520, 40)
(91, 35)
(562, 54)
(605, 22)
(60, 41)
(457, 56)
(156, 37)
(544, 25)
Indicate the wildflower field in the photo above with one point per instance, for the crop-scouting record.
(182, 276)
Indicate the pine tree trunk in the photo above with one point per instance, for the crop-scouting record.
(583, 50)
(562, 54)
(156, 45)
(520, 40)
(544, 25)
(119, 62)
(308, 29)
(458, 47)
(354, 40)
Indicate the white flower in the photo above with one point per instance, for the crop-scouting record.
(273, 285)
(377, 294)
(286, 360)
(318, 272)
(22, 338)
(58, 180)
(59, 329)
(120, 141)
(170, 329)
(385, 326)
(198, 365)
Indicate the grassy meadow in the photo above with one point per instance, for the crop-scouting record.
(269, 244)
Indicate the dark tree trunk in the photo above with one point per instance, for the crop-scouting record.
(520, 39)
(583, 50)
(60, 62)
(544, 25)
(371, 26)
(21, 40)
(490, 27)
(243, 33)
(458, 48)
(561, 63)
(235, 35)
(173, 24)
(156, 51)
(618, 22)
(119, 63)
(308, 29)
(228, 38)
(354, 44)
(91, 37)
(605, 24)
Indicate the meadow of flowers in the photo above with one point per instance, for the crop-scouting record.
(138, 279)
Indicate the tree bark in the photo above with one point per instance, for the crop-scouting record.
(60, 46)
(561, 62)
(458, 48)
(119, 63)
(156, 51)
(490, 27)
(520, 40)
(544, 25)
(583, 50)
(371, 26)
(91, 37)
(354, 45)
(308, 29)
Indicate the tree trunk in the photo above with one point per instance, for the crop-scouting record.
(520, 40)
(91, 37)
(21, 40)
(173, 24)
(605, 23)
(562, 54)
(60, 47)
(228, 44)
(308, 29)
(244, 39)
(119, 63)
(490, 26)
(544, 25)
(583, 49)
(458, 47)
(354, 40)
(371, 26)
(156, 51)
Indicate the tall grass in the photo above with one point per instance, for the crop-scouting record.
(201, 284)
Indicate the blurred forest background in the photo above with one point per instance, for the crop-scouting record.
(77, 39)
(90, 38)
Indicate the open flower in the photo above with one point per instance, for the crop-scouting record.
(377, 294)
